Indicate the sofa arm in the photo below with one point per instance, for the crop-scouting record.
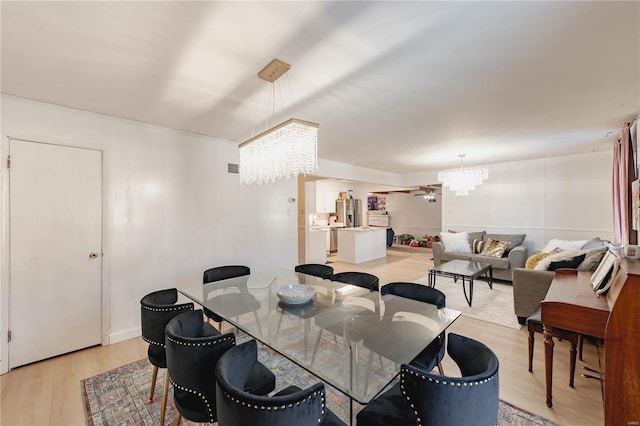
(518, 257)
(530, 286)
(437, 248)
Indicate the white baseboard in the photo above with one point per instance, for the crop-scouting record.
(121, 336)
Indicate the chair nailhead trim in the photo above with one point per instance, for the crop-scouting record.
(283, 407)
(151, 342)
(171, 308)
(208, 343)
(431, 379)
(199, 394)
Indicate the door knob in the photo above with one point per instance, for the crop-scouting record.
(93, 255)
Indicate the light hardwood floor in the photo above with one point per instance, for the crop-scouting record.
(48, 392)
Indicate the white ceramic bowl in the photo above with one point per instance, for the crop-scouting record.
(295, 294)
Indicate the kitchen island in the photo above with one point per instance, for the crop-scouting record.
(356, 245)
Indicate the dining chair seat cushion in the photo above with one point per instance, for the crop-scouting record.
(390, 408)
(330, 419)
(261, 381)
(431, 355)
(291, 406)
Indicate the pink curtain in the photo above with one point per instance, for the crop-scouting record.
(623, 175)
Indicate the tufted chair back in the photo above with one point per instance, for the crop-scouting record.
(238, 408)
(433, 354)
(316, 269)
(468, 400)
(360, 279)
(156, 310)
(415, 291)
(220, 273)
(193, 349)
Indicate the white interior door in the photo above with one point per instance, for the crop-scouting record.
(56, 239)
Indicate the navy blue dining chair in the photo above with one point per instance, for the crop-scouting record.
(156, 310)
(422, 398)
(291, 406)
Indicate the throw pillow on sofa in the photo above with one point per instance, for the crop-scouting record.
(477, 246)
(592, 259)
(534, 259)
(494, 248)
(566, 255)
(515, 240)
(572, 263)
(455, 242)
(476, 235)
(564, 245)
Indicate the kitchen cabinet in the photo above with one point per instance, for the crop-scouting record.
(383, 220)
(316, 249)
(326, 201)
(356, 245)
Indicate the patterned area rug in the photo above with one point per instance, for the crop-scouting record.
(119, 396)
(494, 306)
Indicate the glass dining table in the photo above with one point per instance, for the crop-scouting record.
(330, 335)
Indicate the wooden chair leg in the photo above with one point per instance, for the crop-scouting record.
(165, 393)
(176, 421)
(220, 327)
(531, 343)
(440, 369)
(153, 382)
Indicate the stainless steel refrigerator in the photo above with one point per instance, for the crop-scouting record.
(349, 212)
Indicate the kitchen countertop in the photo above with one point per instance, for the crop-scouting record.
(364, 229)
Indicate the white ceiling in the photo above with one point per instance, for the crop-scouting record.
(395, 86)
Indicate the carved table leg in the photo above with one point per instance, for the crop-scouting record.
(548, 361)
(531, 343)
(572, 365)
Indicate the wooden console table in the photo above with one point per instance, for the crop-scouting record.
(573, 306)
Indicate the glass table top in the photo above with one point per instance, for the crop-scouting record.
(462, 267)
(347, 336)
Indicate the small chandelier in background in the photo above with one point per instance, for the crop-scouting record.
(462, 180)
(287, 149)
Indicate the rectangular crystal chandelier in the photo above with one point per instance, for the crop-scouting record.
(288, 149)
(285, 150)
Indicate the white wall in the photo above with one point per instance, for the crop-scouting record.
(414, 215)
(172, 209)
(560, 197)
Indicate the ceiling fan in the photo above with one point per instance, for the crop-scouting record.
(429, 193)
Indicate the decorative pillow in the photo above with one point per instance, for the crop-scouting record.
(564, 245)
(570, 263)
(477, 235)
(457, 242)
(514, 239)
(543, 265)
(593, 244)
(494, 248)
(533, 260)
(592, 259)
(477, 246)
